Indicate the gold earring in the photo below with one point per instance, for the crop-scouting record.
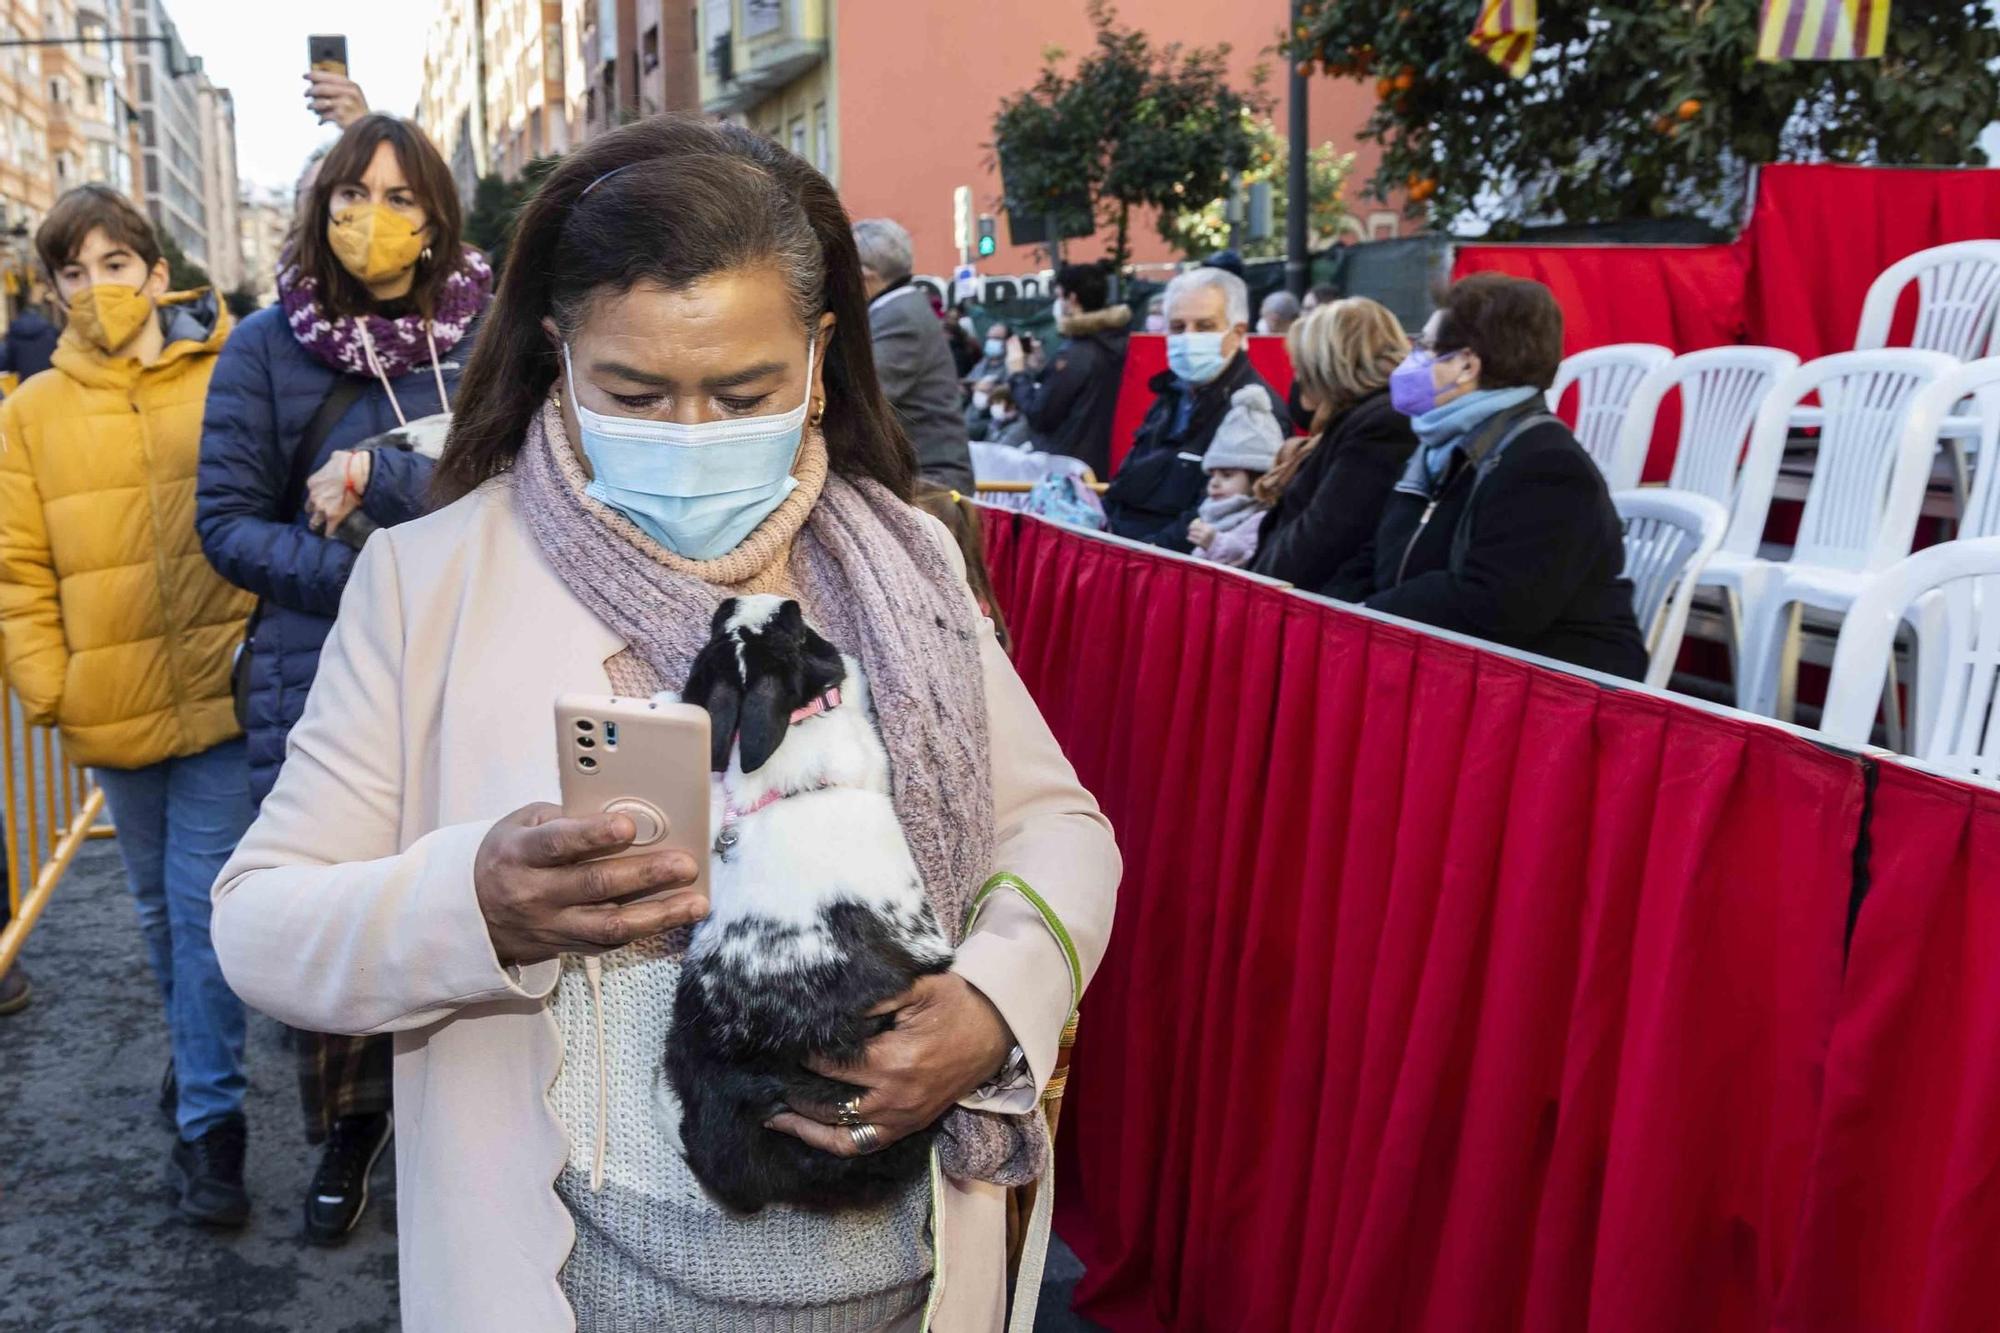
(819, 411)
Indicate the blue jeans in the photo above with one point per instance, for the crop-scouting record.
(178, 820)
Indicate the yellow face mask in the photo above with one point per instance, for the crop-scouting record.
(374, 242)
(109, 314)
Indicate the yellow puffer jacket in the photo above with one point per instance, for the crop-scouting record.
(115, 626)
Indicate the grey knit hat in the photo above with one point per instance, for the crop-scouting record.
(1248, 437)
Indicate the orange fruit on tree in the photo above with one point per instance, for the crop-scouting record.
(1663, 123)
(1422, 188)
(1689, 109)
(1406, 78)
(1384, 86)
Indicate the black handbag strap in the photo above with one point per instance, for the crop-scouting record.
(342, 394)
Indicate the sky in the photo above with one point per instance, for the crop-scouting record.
(261, 63)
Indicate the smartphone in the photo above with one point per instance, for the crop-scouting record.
(327, 52)
(642, 759)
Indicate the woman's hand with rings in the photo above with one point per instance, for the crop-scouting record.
(544, 886)
(947, 1040)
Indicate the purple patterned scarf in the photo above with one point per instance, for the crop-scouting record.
(400, 344)
(877, 581)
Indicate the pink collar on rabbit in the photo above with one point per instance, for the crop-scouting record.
(732, 814)
(824, 704)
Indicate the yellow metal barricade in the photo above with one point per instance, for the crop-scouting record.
(51, 807)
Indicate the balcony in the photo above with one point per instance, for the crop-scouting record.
(768, 44)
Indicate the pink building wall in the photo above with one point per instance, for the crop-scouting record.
(920, 82)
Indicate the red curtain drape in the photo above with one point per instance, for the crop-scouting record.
(1903, 1209)
(1680, 296)
(1820, 234)
(1446, 992)
(1146, 356)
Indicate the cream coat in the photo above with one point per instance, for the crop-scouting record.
(349, 906)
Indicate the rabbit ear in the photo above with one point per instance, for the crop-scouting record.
(712, 684)
(766, 714)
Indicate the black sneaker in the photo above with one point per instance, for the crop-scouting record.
(207, 1176)
(170, 1096)
(15, 992)
(339, 1190)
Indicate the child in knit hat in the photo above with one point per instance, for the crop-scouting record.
(1245, 445)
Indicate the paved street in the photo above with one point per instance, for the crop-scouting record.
(88, 1243)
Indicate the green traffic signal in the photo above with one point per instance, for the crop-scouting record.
(986, 246)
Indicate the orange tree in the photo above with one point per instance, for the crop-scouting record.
(1133, 126)
(1644, 110)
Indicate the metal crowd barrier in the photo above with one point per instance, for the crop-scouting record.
(52, 806)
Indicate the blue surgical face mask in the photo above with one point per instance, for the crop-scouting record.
(696, 490)
(1196, 357)
(995, 349)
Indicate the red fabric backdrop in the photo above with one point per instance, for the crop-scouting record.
(1820, 234)
(1146, 356)
(1450, 993)
(1904, 1200)
(1446, 992)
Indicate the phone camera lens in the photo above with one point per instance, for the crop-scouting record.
(585, 741)
(585, 724)
(587, 764)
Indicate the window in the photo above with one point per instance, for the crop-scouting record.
(797, 139)
(761, 17)
(649, 49)
(822, 140)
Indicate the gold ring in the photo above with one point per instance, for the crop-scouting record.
(866, 1137)
(849, 1111)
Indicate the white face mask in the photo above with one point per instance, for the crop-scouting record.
(697, 490)
(980, 398)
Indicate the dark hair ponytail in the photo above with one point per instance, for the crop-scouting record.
(670, 200)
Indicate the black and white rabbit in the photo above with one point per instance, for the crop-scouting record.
(816, 915)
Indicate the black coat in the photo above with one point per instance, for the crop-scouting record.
(1524, 550)
(1159, 488)
(30, 342)
(1069, 403)
(1329, 509)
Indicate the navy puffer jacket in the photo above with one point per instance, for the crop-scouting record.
(264, 393)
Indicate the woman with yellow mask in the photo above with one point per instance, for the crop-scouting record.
(118, 632)
(302, 457)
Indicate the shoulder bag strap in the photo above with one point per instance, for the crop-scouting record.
(342, 394)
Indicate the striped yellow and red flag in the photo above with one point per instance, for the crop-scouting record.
(1822, 29)
(1506, 33)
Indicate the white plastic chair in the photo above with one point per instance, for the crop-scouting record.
(1606, 379)
(1881, 413)
(1980, 383)
(1721, 389)
(1958, 298)
(1951, 593)
(1669, 536)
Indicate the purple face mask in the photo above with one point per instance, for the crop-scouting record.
(1411, 389)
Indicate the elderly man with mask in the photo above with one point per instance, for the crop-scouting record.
(1159, 488)
(912, 357)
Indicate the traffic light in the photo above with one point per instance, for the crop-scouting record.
(987, 244)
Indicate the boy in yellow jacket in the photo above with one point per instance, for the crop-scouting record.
(117, 631)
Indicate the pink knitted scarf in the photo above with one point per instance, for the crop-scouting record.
(877, 583)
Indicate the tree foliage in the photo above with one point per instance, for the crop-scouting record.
(1643, 110)
(1133, 126)
(183, 274)
(1203, 231)
(496, 202)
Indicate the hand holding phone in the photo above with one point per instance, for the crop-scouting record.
(544, 887)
